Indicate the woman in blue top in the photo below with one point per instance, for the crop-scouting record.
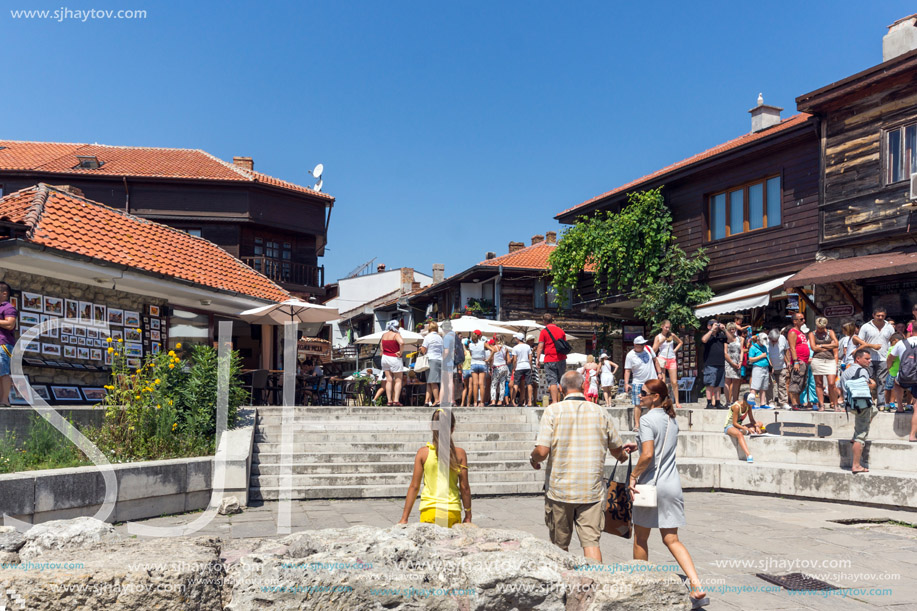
(757, 359)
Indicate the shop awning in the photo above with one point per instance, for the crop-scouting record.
(745, 298)
(855, 268)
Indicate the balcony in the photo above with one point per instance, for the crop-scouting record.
(287, 272)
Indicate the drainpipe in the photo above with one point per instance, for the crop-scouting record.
(127, 196)
(497, 290)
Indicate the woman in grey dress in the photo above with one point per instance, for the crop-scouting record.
(659, 435)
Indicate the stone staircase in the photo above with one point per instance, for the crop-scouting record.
(363, 452)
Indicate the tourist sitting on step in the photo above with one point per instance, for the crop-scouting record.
(439, 501)
(738, 411)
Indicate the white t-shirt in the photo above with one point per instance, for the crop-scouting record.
(500, 357)
(641, 365)
(523, 354)
(478, 352)
(433, 342)
(871, 335)
(899, 348)
(845, 349)
(775, 353)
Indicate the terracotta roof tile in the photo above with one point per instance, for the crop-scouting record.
(61, 158)
(703, 156)
(63, 221)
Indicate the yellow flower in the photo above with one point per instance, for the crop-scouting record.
(171, 366)
(138, 396)
(158, 406)
(130, 428)
(139, 330)
(108, 339)
(157, 381)
(170, 401)
(110, 350)
(120, 340)
(178, 345)
(174, 425)
(109, 388)
(172, 353)
(117, 353)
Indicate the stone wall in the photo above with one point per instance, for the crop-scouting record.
(827, 295)
(21, 281)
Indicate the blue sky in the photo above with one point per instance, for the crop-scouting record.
(447, 129)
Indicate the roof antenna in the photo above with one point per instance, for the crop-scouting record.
(317, 173)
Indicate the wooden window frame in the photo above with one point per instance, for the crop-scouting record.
(900, 127)
(744, 187)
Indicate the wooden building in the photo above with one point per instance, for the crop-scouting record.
(867, 126)
(276, 227)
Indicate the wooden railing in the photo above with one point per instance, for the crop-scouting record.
(287, 271)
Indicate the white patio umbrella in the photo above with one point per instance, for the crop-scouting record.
(522, 326)
(409, 337)
(291, 310)
(576, 358)
(470, 324)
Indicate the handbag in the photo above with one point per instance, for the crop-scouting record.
(561, 346)
(421, 363)
(618, 506)
(646, 493)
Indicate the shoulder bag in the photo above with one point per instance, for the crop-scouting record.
(561, 346)
(618, 507)
(421, 363)
(646, 493)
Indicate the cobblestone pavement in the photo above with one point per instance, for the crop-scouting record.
(730, 536)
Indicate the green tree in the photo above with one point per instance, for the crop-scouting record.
(634, 252)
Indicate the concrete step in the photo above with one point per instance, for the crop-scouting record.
(397, 446)
(369, 426)
(403, 412)
(373, 467)
(394, 436)
(391, 491)
(308, 480)
(275, 419)
(272, 458)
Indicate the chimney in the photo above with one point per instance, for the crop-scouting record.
(550, 237)
(69, 189)
(246, 163)
(407, 279)
(764, 116)
(901, 38)
(537, 238)
(415, 286)
(439, 273)
(514, 246)
(490, 255)
(380, 268)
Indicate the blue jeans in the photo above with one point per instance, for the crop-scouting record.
(5, 351)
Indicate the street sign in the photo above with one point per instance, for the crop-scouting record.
(839, 310)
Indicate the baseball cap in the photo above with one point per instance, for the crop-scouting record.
(640, 340)
(476, 332)
(711, 321)
(519, 336)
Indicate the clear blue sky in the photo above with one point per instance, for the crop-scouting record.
(447, 129)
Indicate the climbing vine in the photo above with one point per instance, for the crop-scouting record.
(634, 252)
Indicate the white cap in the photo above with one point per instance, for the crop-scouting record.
(604, 355)
(640, 340)
(519, 336)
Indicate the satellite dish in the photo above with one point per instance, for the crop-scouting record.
(317, 172)
(318, 185)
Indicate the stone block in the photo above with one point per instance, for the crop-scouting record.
(69, 488)
(152, 479)
(150, 507)
(17, 494)
(200, 474)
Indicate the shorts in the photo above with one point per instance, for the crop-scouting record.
(760, 378)
(522, 377)
(553, 372)
(428, 516)
(636, 387)
(560, 519)
(466, 373)
(393, 364)
(714, 376)
(665, 363)
(726, 430)
(478, 368)
(798, 379)
(5, 360)
(890, 382)
(435, 373)
(861, 424)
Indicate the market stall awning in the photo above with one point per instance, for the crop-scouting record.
(745, 298)
(855, 268)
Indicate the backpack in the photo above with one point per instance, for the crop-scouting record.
(858, 395)
(458, 358)
(561, 346)
(907, 371)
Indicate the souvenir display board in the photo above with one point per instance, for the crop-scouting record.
(687, 358)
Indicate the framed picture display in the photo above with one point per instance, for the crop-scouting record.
(71, 310)
(81, 341)
(50, 350)
(78, 366)
(32, 302)
(41, 390)
(131, 319)
(132, 335)
(69, 352)
(64, 364)
(17, 398)
(64, 339)
(155, 335)
(133, 363)
(66, 328)
(154, 310)
(32, 347)
(82, 353)
(79, 331)
(156, 347)
(85, 313)
(33, 362)
(133, 349)
(115, 316)
(66, 393)
(54, 306)
(53, 327)
(95, 354)
(93, 393)
(117, 334)
(99, 314)
(92, 333)
(29, 319)
(107, 357)
(155, 323)
(14, 300)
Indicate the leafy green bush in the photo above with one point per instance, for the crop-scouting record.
(44, 448)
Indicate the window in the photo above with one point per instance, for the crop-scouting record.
(901, 153)
(753, 206)
(194, 232)
(539, 294)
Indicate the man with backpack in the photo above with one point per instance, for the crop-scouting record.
(905, 352)
(858, 386)
(552, 342)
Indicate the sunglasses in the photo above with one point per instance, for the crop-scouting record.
(643, 393)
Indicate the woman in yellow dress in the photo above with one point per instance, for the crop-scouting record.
(439, 493)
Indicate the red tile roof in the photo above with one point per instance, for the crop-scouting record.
(530, 257)
(60, 220)
(193, 164)
(703, 156)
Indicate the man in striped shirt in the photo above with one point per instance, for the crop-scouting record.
(574, 436)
